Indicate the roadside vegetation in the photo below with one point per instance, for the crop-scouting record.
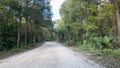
(23, 23)
(87, 25)
(110, 58)
(92, 26)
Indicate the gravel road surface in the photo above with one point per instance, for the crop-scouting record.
(49, 55)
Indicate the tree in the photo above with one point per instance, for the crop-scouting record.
(117, 6)
(83, 20)
(22, 22)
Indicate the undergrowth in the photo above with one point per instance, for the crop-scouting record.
(14, 51)
(110, 57)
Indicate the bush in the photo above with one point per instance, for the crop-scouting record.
(71, 43)
(103, 42)
(86, 45)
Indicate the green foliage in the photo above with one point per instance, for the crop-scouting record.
(23, 22)
(83, 20)
(91, 26)
(103, 42)
(110, 53)
(7, 37)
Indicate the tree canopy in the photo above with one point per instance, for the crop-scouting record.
(86, 20)
(23, 22)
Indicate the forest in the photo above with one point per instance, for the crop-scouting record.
(24, 22)
(89, 22)
(92, 25)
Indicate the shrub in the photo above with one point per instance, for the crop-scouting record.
(103, 42)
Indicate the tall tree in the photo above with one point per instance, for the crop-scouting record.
(117, 6)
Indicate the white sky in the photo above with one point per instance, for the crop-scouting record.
(56, 4)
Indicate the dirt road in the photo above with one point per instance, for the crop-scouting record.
(50, 55)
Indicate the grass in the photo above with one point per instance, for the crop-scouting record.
(107, 57)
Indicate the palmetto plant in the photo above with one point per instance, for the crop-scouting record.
(103, 42)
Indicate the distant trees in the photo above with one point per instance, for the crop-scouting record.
(23, 22)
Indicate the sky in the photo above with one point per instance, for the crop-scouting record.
(56, 5)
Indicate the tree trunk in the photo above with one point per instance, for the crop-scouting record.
(18, 39)
(35, 33)
(34, 38)
(27, 20)
(115, 3)
(118, 22)
(26, 33)
(18, 33)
